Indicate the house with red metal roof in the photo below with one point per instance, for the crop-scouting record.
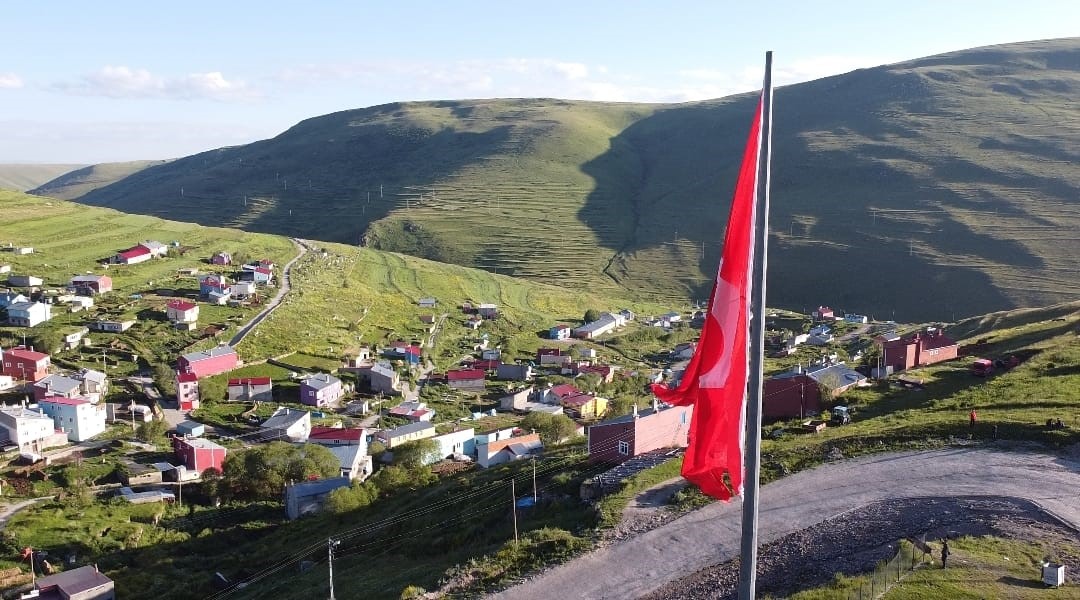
(187, 390)
(182, 311)
(133, 256)
(466, 379)
(22, 364)
(337, 436)
(413, 411)
(251, 389)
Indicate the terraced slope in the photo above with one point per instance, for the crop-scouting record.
(931, 189)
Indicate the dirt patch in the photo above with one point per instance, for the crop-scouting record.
(854, 542)
(649, 509)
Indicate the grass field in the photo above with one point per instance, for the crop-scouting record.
(22, 177)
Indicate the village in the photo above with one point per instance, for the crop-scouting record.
(384, 402)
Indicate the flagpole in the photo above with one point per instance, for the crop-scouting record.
(752, 457)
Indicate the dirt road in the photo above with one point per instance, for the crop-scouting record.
(711, 535)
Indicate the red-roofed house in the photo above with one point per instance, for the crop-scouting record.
(583, 405)
(187, 390)
(205, 363)
(22, 364)
(133, 256)
(919, 349)
(251, 389)
(495, 452)
(466, 379)
(337, 436)
(824, 313)
(413, 411)
(182, 311)
(555, 394)
(605, 372)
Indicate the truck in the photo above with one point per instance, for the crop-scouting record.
(982, 367)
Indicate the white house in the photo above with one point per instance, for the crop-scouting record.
(76, 416)
(30, 430)
(455, 442)
(288, 424)
(182, 311)
(157, 249)
(24, 280)
(355, 462)
(28, 314)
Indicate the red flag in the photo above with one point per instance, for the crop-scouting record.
(715, 379)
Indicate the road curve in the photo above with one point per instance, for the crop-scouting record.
(711, 535)
(283, 289)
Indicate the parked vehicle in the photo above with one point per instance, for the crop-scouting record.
(982, 367)
(840, 416)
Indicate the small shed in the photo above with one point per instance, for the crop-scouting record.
(190, 429)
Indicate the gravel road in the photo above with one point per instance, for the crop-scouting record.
(709, 536)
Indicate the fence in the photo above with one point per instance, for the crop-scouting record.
(888, 575)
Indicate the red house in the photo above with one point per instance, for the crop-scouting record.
(22, 364)
(336, 436)
(92, 284)
(205, 363)
(198, 454)
(133, 256)
(919, 349)
(466, 379)
(187, 390)
(789, 396)
(824, 313)
(618, 439)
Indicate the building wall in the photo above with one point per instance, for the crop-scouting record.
(664, 429)
(790, 397)
(604, 442)
(81, 421)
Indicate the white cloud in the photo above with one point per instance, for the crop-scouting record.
(544, 77)
(126, 82)
(10, 81)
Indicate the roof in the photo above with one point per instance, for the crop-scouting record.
(134, 252)
(75, 581)
(152, 244)
(199, 443)
(65, 401)
(92, 375)
(263, 271)
(58, 383)
(25, 354)
(184, 305)
(285, 418)
(641, 414)
(410, 428)
(578, 399)
(605, 320)
(317, 487)
(321, 381)
(531, 439)
(186, 377)
(383, 369)
(222, 350)
(347, 454)
(20, 412)
(88, 278)
(837, 375)
(464, 374)
(564, 389)
(28, 305)
(336, 433)
(250, 381)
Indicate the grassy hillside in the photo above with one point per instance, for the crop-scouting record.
(79, 182)
(932, 189)
(22, 177)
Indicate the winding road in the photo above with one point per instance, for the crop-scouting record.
(711, 535)
(284, 288)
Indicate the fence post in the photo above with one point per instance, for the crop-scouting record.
(899, 563)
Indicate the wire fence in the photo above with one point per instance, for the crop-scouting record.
(889, 574)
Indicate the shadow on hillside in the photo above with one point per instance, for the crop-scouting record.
(851, 222)
(320, 179)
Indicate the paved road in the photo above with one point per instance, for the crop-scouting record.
(711, 535)
(283, 289)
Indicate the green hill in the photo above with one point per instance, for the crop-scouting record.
(22, 177)
(931, 189)
(79, 182)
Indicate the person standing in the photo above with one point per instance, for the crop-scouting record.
(944, 553)
(974, 417)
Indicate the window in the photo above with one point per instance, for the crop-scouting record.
(624, 448)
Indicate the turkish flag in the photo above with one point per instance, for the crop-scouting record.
(715, 380)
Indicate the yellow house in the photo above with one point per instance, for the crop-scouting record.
(585, 406)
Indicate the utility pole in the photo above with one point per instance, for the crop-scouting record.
(513, 510)
(330, 544)
(180, 495)
(534, 480)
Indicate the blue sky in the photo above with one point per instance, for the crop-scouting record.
(105, 81)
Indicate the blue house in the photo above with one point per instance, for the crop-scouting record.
(559, 332)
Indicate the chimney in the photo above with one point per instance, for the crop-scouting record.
(655, 405)
(635, 410)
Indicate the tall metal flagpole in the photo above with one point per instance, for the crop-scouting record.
(748, 564)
